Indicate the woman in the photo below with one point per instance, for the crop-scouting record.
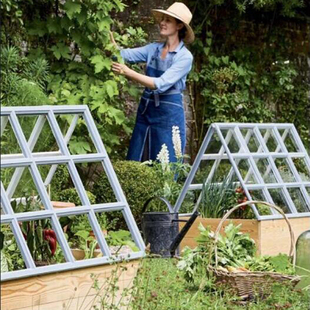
(168, 65)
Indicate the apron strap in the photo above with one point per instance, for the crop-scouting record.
(156, 98)
(156, 94)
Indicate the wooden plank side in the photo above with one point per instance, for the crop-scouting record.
(248, 226)
(60, 287)
(80, 303)
(275, 237)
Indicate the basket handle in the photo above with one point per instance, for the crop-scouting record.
(219, 227)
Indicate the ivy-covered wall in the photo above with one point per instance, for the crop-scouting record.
(251, 62)
(251, 65)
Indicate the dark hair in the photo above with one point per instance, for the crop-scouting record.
(182, 31)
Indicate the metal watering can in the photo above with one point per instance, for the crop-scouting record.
(161, 229)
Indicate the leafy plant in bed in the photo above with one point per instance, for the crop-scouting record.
(235, 255)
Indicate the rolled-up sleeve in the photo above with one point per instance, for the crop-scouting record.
(138, 54)
(180, 68)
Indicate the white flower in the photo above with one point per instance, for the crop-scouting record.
(176, 140)
(239, 107)
(163, 157)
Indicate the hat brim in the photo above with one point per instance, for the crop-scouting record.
(189, 36)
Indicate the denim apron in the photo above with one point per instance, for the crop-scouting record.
(156, 115)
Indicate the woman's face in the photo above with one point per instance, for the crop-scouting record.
(169, 26)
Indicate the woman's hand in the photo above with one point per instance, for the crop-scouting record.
(120, 68)
(133, 75)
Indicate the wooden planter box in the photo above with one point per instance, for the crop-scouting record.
(68, 290)
(271, 236)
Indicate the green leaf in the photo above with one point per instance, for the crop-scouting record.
(118, 115)
(72, 8)
(100, 63)
(61, 50)
(65, 23)
(81, 18)
(206, 50)
(65, 92)
(111, 88)
(54, 26)
(280, 262)
(4, 263)
(225, 60)
(83, 234)
(37, 28)
(39, 233)
(79, 146)
(105, 23)
(120, 5)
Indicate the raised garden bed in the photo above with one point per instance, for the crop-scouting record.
(271, 236)
(69, 290)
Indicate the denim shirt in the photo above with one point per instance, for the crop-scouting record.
(181, 63)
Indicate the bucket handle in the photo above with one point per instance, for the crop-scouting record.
(160, 198)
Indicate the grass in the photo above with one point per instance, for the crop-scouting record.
(160, 285)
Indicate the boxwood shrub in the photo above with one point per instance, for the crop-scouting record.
(139, 182)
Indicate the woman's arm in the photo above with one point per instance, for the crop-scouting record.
(133, 75)
(136, 54)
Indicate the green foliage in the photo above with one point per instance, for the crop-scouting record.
(11, 258)
(71, 195)
(81, 223)
(38, 246)
(236, 252)
(171, 177)
(85, 242)
(280, 263)
(217, 198)
(237, 92)
(284, 7)
(60, 180)
(138, 182)
(247, 68)
(120, 238)
(234, 247)
(23, 80)
(74, 37)
(160, 285)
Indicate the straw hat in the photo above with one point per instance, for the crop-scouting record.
(181, 12)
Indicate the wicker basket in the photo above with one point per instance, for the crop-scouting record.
(248, 284)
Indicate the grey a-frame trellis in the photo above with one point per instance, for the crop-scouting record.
(259, 148)
(30, 159)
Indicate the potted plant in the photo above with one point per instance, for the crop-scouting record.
(41, 241)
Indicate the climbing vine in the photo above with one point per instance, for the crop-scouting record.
(73, 36)
(250, 65)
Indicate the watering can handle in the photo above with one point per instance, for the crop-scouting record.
(160, 198)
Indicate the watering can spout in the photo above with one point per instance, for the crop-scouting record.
(174, 245)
